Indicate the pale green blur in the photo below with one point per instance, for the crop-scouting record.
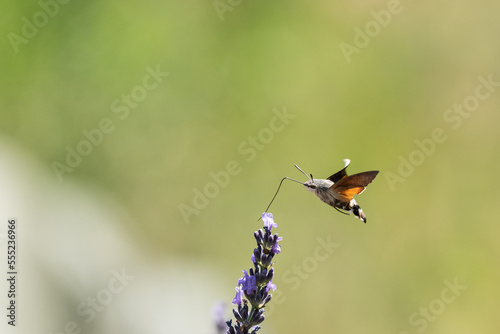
(251, 91)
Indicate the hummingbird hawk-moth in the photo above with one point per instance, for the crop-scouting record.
(338, 190)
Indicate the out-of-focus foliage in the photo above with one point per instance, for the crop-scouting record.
(191, 158)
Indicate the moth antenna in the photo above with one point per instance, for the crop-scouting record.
(310, 178)
(283, 179)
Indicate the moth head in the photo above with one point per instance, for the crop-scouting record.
(310, 185)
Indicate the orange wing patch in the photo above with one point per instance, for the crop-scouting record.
(348, 186)
(345, 194)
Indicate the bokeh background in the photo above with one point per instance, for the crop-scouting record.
(115, 218)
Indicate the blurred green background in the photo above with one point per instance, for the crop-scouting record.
(232, 68)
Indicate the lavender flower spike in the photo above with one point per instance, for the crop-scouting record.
(254, 287)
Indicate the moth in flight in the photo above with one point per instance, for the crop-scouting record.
(338, 190)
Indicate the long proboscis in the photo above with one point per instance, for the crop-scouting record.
(283, 179)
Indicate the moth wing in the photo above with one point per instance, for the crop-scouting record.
(347, 187)
(341, 173)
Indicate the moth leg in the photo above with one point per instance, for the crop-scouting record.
(343, 211)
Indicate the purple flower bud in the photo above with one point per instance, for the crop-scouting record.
(276, 249)
(257, 254)
(230, 329)
(259, 235)
(243, 310)
(268, 239)
(237, 300)
(270, 286)
(254, 329)
(257, 317)
(237, 315)
(267, 259)
(267, 217)
(266, 276)
(248, 282)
